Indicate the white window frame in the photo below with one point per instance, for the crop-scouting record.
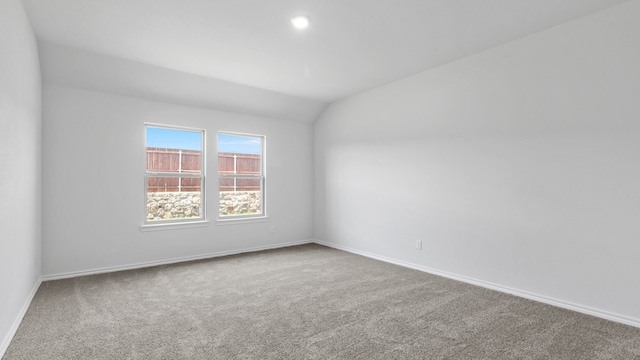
(230, 219)
(177, 222)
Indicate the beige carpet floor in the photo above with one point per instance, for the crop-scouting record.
(303, 302)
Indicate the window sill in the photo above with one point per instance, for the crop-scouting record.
(238, 221)
(173, 226)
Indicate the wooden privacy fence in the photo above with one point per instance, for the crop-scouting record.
(241, 164)
(189, 162)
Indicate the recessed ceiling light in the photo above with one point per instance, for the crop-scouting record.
(300, 22)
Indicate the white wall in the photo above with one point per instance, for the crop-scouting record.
(517, 167)
(19, 166)
(93, 167)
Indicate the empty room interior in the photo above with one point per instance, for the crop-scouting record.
(297, 179)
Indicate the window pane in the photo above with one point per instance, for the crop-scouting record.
(246, 199)
(240, 155)
(170, 150)
(239, 184)
(173, 150)
(171, 198)
(172, 184)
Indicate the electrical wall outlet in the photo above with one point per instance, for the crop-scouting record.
(272, 229)
(419, 244)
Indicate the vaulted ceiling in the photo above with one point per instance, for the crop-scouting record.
(351, 45)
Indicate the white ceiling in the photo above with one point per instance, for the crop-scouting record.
(351, 45)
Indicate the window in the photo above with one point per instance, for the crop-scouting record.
(175, 176)
(241, 175)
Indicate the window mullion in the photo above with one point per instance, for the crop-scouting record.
(160, 174)
(245, 176)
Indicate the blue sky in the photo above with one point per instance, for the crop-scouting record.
(174, 139)
(191, 140)
(239, 144)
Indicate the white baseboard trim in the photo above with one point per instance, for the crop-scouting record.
(520, 293)
(16, 323)
(170, 261)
